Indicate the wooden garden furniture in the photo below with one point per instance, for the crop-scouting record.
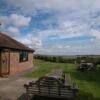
(54, 85)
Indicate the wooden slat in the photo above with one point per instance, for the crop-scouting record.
(52, 87)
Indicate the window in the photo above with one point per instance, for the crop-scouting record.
(23, 56)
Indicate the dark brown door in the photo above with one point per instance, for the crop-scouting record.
(5, 59)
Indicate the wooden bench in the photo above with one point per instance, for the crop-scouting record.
(52, 87)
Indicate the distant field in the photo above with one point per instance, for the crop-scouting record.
(89, 82)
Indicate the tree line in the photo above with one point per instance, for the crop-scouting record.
(68, 59)
(60, 59)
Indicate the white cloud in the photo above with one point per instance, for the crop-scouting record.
(4, 20)
(13, 29)
(31, 41)
(95, 33)
(55, 5)
(19, 20)
(74, 18)
(67, 29)
(16, 20)
(70, 50)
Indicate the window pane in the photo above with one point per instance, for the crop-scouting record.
(23, 56)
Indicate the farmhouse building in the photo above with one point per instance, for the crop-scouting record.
(14, 56)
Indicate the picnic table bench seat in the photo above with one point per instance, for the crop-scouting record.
(52, 87)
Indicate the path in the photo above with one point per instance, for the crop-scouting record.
(11, 88)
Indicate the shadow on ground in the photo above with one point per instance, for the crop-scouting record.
(86, 96)
(23, 97)
(81, 96)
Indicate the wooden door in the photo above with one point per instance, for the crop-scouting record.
(5, 59)
(0, 62)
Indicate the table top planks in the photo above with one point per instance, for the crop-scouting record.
(56, 73)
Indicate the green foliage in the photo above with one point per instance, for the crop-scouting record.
(93, 59)
(57, 59)
(69, 59)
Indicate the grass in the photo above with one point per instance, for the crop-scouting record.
(88, 82)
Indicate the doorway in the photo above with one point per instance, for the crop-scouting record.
(4, 62)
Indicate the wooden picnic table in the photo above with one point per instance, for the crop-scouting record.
(60, 75)
(52, 85)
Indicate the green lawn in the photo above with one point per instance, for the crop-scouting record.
(88, 82)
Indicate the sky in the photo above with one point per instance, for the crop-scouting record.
(53, 27)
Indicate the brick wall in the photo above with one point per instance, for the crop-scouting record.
(16, 66)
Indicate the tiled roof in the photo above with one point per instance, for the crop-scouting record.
(8, 42)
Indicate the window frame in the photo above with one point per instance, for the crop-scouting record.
(23, 56)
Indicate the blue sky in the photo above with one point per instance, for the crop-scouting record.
(53, 26)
